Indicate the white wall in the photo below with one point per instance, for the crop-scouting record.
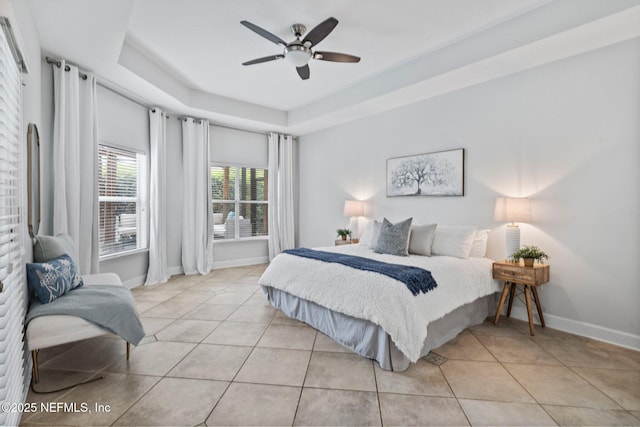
(566, 134)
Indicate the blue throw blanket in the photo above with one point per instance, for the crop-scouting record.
(111, 307)
(416, 279)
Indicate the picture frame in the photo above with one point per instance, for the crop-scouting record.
(439, 173)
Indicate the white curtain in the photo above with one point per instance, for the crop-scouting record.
(281, 215)
(197, 213)
(158, 271)
(75, 160)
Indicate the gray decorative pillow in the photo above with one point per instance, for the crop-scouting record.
(421, 239)
(394, 238)
(46, 248)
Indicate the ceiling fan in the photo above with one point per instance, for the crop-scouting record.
(299, 52)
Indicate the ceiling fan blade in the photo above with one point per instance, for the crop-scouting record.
(303, 72)
(264, 59)
(321, 31)
(335, 57)
(264, 33)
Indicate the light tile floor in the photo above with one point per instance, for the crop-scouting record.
(216, 353)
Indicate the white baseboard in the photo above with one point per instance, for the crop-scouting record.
(139, 281)
(240, 262)
(135, 282)
(173, 271)
(583, 329)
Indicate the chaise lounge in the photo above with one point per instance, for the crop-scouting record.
(51, 330)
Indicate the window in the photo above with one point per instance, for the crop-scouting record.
(122, 199)
(239, 197)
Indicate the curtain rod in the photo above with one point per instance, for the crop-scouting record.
(135, 101)
(84, 77)
(242, 130)
(66, 67)
(223, 126)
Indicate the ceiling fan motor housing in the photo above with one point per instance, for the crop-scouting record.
(297, 55)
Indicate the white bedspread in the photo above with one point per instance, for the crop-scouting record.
(381, 299)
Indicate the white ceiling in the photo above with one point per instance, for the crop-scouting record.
(186, 55)
(204, 44)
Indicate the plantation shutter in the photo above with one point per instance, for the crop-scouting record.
(13, 299)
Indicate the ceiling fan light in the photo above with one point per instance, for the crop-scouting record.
(297, 55)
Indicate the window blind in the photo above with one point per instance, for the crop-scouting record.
(239, 197)
(13, 296)
(122, 200)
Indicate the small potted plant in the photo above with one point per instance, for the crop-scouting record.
(530, 254)
(343, 232)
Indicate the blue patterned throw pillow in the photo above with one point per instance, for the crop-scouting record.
(52, 279)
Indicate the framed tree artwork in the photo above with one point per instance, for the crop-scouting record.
(430, 174)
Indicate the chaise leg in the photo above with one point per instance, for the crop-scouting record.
(36, 376)
(128, 349)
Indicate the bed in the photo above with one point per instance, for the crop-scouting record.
(375, 315)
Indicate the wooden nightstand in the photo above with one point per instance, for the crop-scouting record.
(347, 242)
(517, 274)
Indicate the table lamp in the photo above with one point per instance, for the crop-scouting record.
(353, 209)
(512, 209)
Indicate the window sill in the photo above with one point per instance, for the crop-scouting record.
(123, 254)
(242, 239)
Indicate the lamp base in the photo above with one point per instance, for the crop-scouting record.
(511, 240)
(353, 226)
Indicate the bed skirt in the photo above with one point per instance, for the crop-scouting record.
(370, 340)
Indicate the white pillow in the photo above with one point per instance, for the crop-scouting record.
(453, 240)
(365, 238)
(375, 233)
(479, 245)
(371, 234)
(421, 239)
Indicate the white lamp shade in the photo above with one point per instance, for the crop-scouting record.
(353, 208)
(512, 209)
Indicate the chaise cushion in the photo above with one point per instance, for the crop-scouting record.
(50, 280)
(48, 331)
(46, 248)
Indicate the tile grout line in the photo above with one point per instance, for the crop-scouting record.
(137, 400)
(304, 380)
(375, 380)
(596, 387)
(451, 388)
